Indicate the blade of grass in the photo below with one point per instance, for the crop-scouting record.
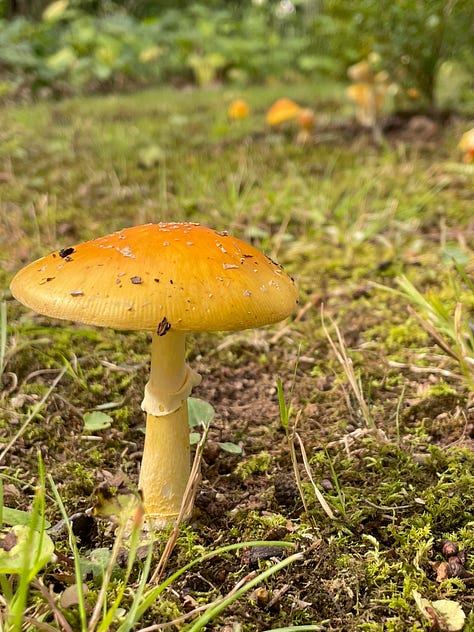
(3, 336)
(30, 565)
(75, 551)
(319, 496)
(217, 607)
(134, 543)
(151, 596)
(35, 410)
(298, 628)
(340, 351)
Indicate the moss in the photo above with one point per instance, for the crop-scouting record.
(258, 464)
(441, 389)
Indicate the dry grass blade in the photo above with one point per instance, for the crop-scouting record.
(58, 615)
(345, 361)
(319, 496)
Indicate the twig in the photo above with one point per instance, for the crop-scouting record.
(38, 584)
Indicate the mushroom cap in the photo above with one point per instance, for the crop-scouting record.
(467, 141)
(282, 110)
(238, 109)
(179, 275)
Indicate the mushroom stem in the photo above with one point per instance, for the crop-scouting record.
(165, 466)
(166, 462)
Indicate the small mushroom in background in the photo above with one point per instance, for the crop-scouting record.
(305, 120)
(285, 110)
(281, 111)
(368, 91)
(369, 99)
(170, 279)
(238, 110)
(466, 145)
(360, 72)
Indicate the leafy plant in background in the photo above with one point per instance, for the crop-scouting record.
(412, 40)
(74, 46)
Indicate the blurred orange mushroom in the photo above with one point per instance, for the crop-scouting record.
(305, 119)
(466, 145)
(360, 72)
(281, 111)
(238, 109)
(369, 99)
(368, 90)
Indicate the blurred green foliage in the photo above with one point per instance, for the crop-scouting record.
(85, 45)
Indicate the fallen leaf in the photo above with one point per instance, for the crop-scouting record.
(445, 615)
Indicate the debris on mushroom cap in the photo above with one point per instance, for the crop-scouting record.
(282, 110)
(238, 109)
(191, 277)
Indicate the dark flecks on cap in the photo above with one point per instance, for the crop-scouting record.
(163, 326)
(65, 252)
(136, 280)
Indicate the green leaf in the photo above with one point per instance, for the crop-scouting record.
(200, 412)
(230, 447)
(96, 421)
(16, 517)
(194, 438)
(18, 545)
(120, 508)
(452, 253)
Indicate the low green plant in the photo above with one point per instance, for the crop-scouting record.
(411, 42)
(445, 321)
(25, 549)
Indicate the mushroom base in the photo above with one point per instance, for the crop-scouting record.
(165, 466)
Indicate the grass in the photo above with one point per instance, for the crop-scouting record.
(359, 456)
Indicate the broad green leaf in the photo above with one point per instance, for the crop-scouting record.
(200, 412)
(444, 614)
(20, 544)
(96, 421)
(228, 446)
(17, 517)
